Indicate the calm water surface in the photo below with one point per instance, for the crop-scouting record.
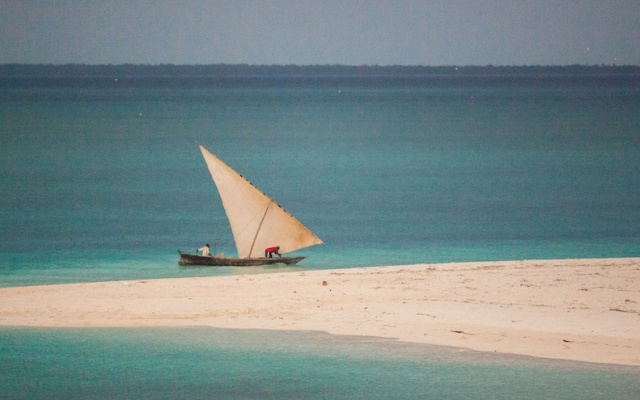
(106, 181)
(200, 363)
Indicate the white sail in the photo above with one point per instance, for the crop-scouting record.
(257, 222)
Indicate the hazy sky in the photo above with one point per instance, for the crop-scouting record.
(351, 32)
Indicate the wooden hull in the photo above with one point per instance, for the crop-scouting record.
(187, 259)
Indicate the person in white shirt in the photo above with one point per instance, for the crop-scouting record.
(205, 250)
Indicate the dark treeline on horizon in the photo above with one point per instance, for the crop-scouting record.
(284, 71)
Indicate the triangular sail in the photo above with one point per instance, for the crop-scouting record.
(257, 222)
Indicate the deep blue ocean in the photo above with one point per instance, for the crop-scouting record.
(102, 179)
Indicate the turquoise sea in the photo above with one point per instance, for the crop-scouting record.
(205, 363)
(102, 179)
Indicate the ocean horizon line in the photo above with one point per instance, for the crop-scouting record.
(222, 70)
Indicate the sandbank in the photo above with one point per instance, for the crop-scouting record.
(578, 309)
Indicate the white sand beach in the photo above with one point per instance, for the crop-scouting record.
(579, 309)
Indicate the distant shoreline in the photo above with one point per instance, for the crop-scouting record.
(306, 71)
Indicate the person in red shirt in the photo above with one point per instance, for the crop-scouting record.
(270, 251)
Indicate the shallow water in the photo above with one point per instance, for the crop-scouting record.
(236, 364)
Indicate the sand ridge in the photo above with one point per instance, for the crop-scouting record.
(579, 309)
